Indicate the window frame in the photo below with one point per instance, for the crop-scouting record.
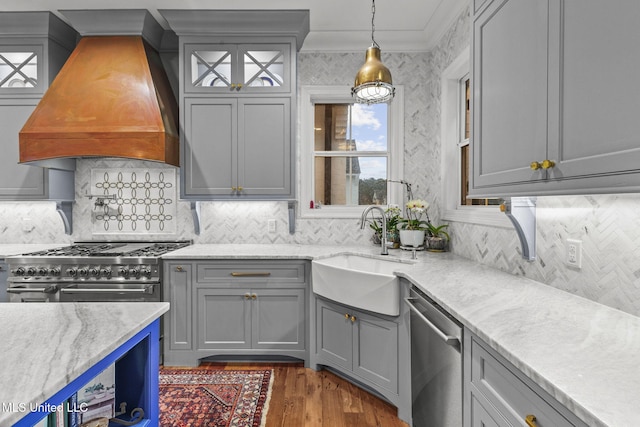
(311, 95)
(451, 127)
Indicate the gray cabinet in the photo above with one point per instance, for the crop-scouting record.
(237, 148)
(4, 275)
(238, 97)
(33, 48)
(553, 110)
(232, 308)
(359, 344)
(500, 395)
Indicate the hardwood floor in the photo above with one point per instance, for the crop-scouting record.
(301, 397)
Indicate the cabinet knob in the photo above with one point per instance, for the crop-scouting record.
(234, 188)
(545, 164)
(353, 319)
(531, 420)
(548, 164)
(239, 86)
(233, 85)
(346, 315)
(179, 268)
(240, 188)
(254, 296)
(247, 296)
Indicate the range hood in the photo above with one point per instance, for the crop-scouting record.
(112, 98)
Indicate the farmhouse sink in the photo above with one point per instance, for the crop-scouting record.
(360, 282)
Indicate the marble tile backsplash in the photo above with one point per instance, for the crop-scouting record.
(607, 224)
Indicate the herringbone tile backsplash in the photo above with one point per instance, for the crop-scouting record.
(606, 224)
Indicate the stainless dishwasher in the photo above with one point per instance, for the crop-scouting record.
(436, 364)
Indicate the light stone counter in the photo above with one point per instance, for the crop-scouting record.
(45, 346)
(583, 353)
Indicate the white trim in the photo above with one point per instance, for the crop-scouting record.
(450, 128)
(309, 95)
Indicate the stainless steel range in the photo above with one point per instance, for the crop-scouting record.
(90, 272)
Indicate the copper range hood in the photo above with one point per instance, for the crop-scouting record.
(112, 98)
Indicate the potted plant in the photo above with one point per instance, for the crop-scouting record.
(437, 237)
(413, 228)
(392, 217)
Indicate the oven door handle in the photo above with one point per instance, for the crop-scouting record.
(449, 339)
(19, 290)
(72, 290)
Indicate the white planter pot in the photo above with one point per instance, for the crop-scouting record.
(413, 238)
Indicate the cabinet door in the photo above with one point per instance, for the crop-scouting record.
(264, 149)
(209, 149)
(223, 318)
(265, 68)
(334, 334)
(509, 92)
(375, 350)
(481, 418)
(278, 319)
(177, 290)
(18, 182)
(210, 68)
(594, 105)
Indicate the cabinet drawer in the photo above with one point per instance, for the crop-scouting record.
(513, 398)
(243, 272)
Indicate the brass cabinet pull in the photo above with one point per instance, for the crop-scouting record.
(233, 85)
(346, 315)
(179, 268)
(247, 296)
(234, 188)
(353, 319)
(254, 296)
(250, 274)
(545, 164)
(531, 420)
(240, 188)
(239, 86)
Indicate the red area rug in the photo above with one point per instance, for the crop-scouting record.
(214, 398)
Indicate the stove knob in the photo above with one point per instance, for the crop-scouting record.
(106, 272)
(55, 271)
(146, 272)
(18, 271)
(135, 272)
(94, 271)
(42, 271)
(73, 272)
(31, 271)
(83, 272)
(123, 272)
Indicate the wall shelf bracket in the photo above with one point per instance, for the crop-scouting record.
(65, 209)
(291, 204)
(521, 211)
(195, 213)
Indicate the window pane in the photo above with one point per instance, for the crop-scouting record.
(467, 109)
(350, 180)
(346, 127)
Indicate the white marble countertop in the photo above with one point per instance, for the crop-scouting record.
(583, 353)
(45, 346)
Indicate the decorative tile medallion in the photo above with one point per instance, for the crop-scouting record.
(137, 201)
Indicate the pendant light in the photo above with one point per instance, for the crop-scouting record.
(373, 83)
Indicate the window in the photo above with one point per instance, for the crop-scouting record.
(349, 153)
(456, 154)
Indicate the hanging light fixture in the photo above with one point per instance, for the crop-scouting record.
(373, 83)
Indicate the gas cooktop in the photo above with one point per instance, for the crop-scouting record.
(111, 249)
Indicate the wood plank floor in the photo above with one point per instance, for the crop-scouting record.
(302, 397)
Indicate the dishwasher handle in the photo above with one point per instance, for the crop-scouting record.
(448, 339)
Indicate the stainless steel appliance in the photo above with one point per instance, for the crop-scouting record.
(436, 364)
(90, 272)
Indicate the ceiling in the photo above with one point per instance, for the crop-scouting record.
(336, 25)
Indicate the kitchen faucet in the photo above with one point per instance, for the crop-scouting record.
(383, 238)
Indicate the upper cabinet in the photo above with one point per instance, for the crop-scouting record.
(237, 98)
(553, 104)
(33, 48)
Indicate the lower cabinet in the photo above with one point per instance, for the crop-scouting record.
(499, 394)
(4, 275)
(235, 308)
(361, 345)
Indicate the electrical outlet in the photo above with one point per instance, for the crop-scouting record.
(271, 225)
(574, 253)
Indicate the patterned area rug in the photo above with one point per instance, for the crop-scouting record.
(214, 398)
